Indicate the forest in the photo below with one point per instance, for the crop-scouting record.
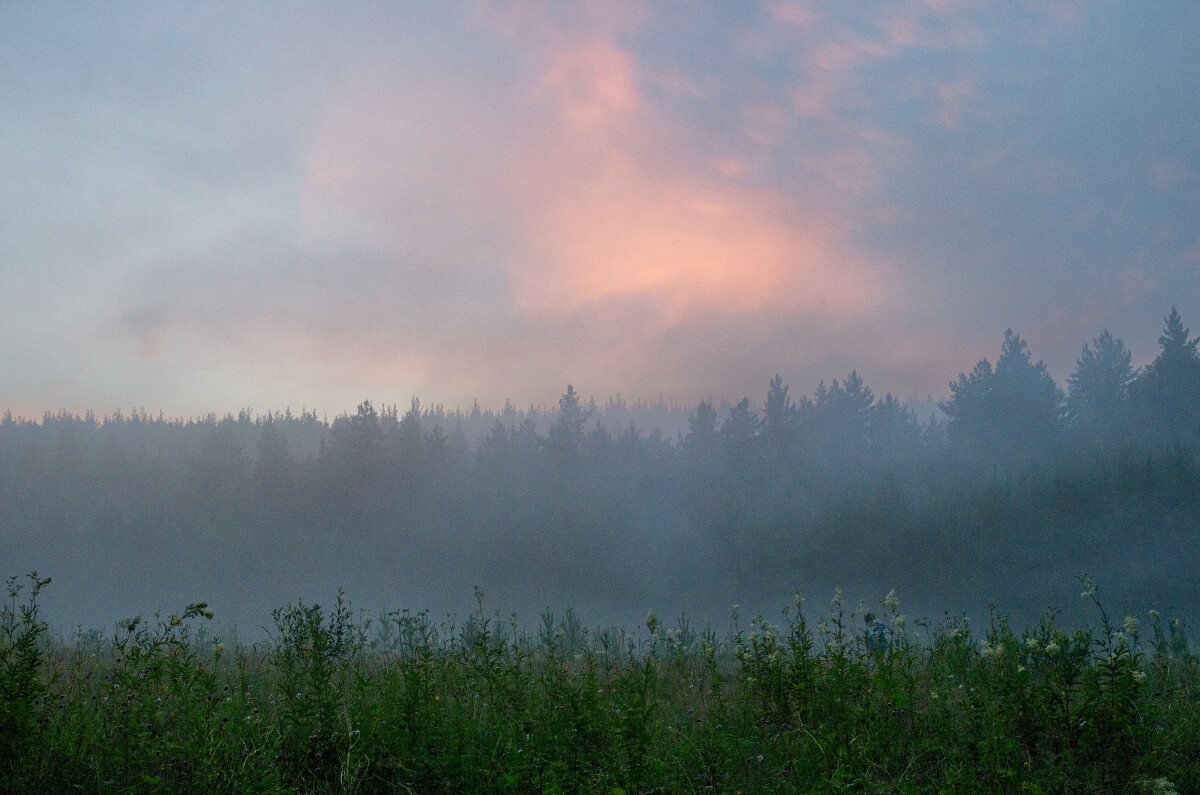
(1016, 488)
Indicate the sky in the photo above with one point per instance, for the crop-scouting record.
(209, 207)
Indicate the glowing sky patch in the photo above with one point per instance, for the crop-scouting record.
(207, 209)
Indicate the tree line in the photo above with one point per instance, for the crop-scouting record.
(840, 483)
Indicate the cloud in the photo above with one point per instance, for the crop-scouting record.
(489, 200)
(576, 167)
(145, 325)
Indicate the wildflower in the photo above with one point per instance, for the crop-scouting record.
(652, 621)
(837, 597)
(1131, 625)
(1139, 677)
(891, 601)
(1052, 648)
(1032, 643)
(797, 599)
(1154, 614)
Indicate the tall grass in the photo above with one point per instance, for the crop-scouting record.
(857, 700)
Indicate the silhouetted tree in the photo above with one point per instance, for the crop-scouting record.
(739, 434)
(566, 434)
(837, 418)
(892, 429)
(702, 425)
(274, 469)
(702, 441)
(1098, 390)
(1012, 408)
(1167, 393)
(779, 424)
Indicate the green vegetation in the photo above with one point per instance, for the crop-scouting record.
(858, 700)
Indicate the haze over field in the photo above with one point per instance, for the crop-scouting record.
(269, 228)
(210, 208)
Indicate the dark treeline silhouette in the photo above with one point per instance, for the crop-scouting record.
(1021, 486)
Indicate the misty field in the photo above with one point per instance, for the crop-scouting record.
(856, 700)
(1015, 488)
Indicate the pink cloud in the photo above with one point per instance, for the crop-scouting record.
(593, 84)
(794, 14)
(618, 221)
(628, 232)
(590, 197)
(952, 101)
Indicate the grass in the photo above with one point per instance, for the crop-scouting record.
(857, 700)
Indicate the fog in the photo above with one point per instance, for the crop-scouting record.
(999, 497)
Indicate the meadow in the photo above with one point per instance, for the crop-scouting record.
(859, 699)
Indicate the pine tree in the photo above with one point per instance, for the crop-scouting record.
(1014, 407)
(1097, 400)
(1167, 393)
